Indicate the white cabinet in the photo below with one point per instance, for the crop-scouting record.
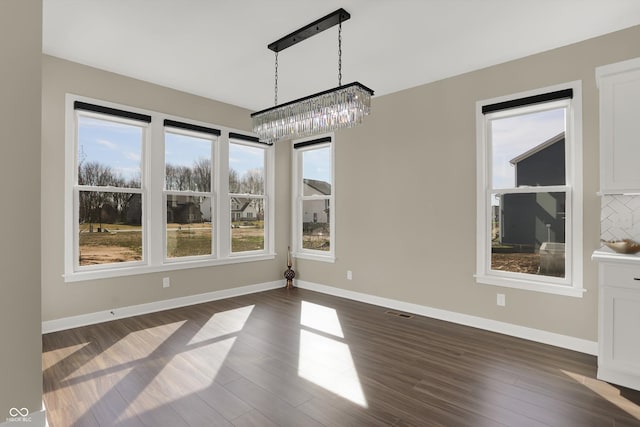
(619, 319)
(619, 86)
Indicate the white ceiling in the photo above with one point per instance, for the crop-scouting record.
(218, 48)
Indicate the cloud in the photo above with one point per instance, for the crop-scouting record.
(108, 144)
(129, 155)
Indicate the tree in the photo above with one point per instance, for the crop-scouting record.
(253, 182)
(234, 181)
(202, 174)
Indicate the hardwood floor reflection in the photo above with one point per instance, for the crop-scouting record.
(300, 358)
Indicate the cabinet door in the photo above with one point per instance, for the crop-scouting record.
(621, 335)
(620, 132)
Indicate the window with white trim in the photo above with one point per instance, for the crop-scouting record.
(530, 191)
(246, 193)
(108, 190)
(148, 192)
(188, 190)
(314, 204)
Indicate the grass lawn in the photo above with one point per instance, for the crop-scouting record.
(123, 243)
(188, 240)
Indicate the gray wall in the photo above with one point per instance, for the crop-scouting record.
(20, 343)
(407, 234)
(406, 193)
(60, 299)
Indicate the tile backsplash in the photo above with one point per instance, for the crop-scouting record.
(620, 217)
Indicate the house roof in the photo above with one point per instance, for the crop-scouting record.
(549, 142)
(321, 186)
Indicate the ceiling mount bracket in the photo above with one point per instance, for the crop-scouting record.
(318, 26)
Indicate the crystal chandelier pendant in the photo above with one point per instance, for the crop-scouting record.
(342, 107)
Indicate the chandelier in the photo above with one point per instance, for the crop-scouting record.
(341, 107)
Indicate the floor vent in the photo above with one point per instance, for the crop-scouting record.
(398, 314)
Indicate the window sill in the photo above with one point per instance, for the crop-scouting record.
(314, 257)
(79, 276)
(529, 285)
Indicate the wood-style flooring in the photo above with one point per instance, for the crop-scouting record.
(301, 358)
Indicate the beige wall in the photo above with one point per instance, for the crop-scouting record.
(415, 154)
(406, 193)
(60, 299)
(20, 343)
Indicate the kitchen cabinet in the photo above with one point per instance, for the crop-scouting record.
(619, 318)
(619, 86)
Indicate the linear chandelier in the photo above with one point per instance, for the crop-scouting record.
(341, 107)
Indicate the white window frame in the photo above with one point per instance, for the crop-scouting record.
(154, 201)
(268, 189)
(211, 194)
(298, 198)
(572, 283)
(77, 188)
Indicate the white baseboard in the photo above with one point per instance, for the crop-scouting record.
(537, 335)
(33, 419)
(135, 310)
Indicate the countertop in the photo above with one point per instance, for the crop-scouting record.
(604, 254)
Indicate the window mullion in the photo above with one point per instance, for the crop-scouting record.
(156, 205)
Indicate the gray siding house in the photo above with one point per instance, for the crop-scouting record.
(530, 219)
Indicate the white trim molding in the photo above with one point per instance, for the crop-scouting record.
(152, 307)
(531, 334)
(537, 335)
(572, 283)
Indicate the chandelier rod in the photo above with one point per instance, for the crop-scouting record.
(317, 26)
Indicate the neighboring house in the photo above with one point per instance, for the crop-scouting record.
(533, 218)
(184, 210)
(134, 209)
(316, 211)
(246, 209)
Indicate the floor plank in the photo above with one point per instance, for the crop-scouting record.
(301, 358)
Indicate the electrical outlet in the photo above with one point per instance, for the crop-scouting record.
(501, 300)
(349, 275)
(166, 282)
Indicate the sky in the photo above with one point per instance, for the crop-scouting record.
(183, 150)
(316, 164)
(114, 144)
(513, 136)
(120, 147)
(243, 158)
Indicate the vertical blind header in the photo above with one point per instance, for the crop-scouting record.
(85, 106)
(528, 100)
(234, 135)
(189, 126)
(312, 142)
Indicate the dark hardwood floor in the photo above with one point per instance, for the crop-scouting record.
(300, 358)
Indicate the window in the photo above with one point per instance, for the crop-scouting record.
(530, 191)
(246, 191)
(188, 189)
(314, 199)
(147, 192)
(108, 187)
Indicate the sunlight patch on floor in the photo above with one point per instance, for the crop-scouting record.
(607, 392)
(327, 361)
(320, 318)
(52, 357)
(223, 323)
(162, 390)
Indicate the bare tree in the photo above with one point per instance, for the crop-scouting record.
(234, 181)
(253, 182)
(202, 174)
